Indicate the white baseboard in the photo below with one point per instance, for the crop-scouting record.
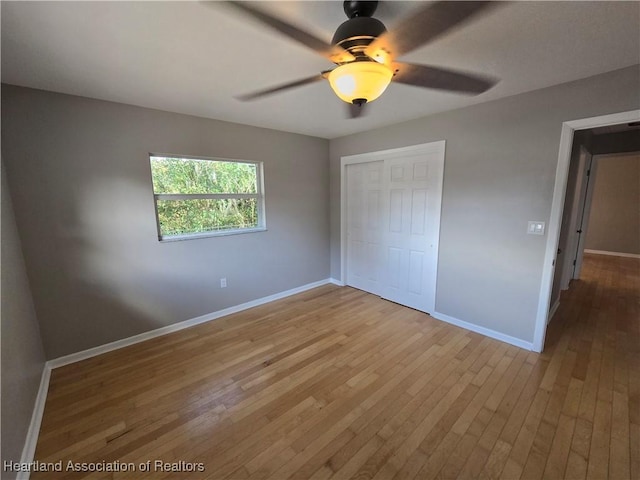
(487, 332)
(614, 254)
(336, 282)
(125, 342)
(31, 441)
(553, 310)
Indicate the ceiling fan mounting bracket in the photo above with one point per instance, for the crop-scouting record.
(359, 8)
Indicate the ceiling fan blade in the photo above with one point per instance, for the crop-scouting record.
(425, 25)
(334, 53)
(355, 111)
(441, 78)
(279, 88)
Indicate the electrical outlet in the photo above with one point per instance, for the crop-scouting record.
(223, 283)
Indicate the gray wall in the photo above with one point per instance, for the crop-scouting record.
(614, 220)
(22, 353)
(81, 181)
(500, 166)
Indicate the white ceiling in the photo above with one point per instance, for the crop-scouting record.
(193, 57)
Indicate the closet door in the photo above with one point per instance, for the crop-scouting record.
(365, 226)
(393, 223)
(413, 189)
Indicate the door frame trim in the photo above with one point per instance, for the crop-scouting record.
(557, 205)
(431, 147)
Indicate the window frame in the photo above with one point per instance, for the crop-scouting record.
(259, 196)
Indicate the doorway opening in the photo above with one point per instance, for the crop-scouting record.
(601, 207)
(570, 201)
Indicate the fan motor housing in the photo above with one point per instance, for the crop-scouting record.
(358, 31)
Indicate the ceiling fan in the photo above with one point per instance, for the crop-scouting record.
(365, 51)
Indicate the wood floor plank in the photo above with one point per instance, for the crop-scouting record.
(559, 451)
(335, 383)
(619, 454)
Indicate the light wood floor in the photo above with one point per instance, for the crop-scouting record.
(336, 383)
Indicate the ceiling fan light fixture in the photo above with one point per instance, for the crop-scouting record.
(360, 80)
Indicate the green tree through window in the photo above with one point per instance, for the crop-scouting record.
(198, 196)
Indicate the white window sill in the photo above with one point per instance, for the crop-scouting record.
(224, 233)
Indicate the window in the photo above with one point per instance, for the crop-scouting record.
(198, 197)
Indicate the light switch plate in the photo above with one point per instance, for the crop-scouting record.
(535, 228)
